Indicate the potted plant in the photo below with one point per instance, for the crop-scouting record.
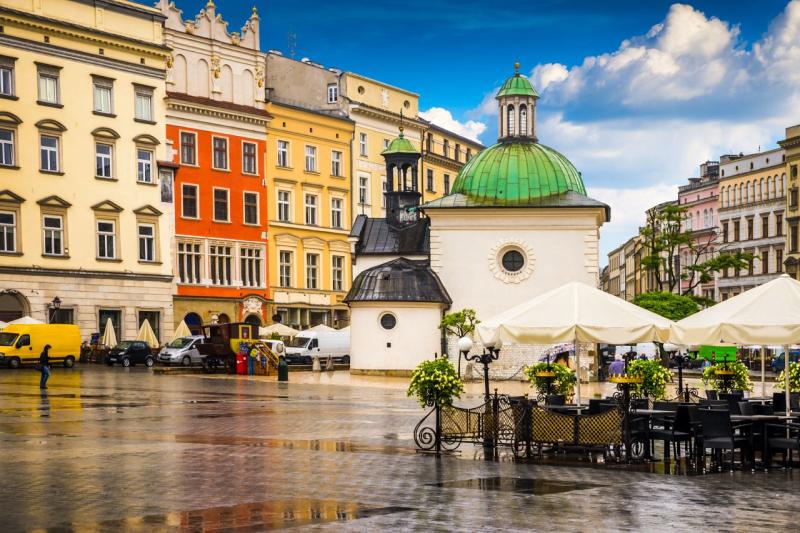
(435, 382)
(553, 376)
(794, 378)
(649, 377)
(735, 371)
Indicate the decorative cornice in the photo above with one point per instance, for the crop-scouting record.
(441, 160)
(66, 53)
(216, 112)
(84, 273)
(79, 31)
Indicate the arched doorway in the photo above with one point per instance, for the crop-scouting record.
(13, 305)
(253, 320)
(223, 319)
(194, 322)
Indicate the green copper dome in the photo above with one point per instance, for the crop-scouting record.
(517, 85)
(400, 145)
(517, 173)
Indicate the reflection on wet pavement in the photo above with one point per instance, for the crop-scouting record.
(244, 517)
(539, 487)
(117, 450)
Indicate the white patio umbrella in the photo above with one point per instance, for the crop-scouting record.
(181, 331)
(767, 314)
(109, 337)
(26, 320)
(575, 312)
(321, 327)
(147, 334)
(280, 329)
(2, 325)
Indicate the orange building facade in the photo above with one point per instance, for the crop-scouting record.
(216, 128)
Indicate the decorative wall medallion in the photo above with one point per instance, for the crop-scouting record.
(252, 305)
(511, 261)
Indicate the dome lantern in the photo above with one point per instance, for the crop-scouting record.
(517, 109)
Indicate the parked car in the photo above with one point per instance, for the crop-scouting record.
(130, 353)
(308, 344)
(182, 351)
(23, 343)
(779, 361)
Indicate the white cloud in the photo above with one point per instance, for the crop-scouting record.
(471, 129)
(628, 208)
(637, 121)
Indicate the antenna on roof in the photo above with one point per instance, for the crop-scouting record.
(291, 44)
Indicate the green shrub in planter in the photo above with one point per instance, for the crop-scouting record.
(654, 378)
(794, 378)
(739, 381)
(563, 381)
(435, 381)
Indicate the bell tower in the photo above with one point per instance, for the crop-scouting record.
(402, 181)
(517, 109)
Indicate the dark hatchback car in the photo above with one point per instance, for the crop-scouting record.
(130, 353)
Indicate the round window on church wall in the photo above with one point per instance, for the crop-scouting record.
(388, 321)
(513, 261)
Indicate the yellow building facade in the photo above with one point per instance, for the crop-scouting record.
(309, 195)
(378, 109)
(85, 206)
(791, 147)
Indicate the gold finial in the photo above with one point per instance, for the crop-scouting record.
(516, 68)
(210, 4)
(255, 12)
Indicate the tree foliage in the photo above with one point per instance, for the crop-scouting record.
(459, 323)
(667, 304)
(665, 237)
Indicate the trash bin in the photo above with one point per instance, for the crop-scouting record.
(283, 370)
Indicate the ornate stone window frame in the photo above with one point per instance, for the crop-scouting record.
(495, 261)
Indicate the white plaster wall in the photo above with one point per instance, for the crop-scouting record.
(416, 336)
(563, 243)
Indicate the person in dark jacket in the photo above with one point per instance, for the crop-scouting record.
(44, 366)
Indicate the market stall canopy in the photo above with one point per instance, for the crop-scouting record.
(767, 314)
(575, 311)
(182, 331)
(280, 329)
(26, 320)
(147, 334)
(109, 337)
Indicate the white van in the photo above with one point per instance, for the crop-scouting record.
(322, 344)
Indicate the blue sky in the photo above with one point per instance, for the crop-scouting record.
(636, 93)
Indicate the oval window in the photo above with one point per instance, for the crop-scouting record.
(388, 321)
(513, 261)
(406, 104)
(360, 89)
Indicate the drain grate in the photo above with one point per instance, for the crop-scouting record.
(538, 487)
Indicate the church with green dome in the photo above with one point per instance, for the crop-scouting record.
(518, 222)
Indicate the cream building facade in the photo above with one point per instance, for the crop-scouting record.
(85, 208)
(791, 146)
(752, 218)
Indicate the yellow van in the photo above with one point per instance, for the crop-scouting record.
(23, 343)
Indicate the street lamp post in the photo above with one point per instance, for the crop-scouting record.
(55, 305)
(490, 353)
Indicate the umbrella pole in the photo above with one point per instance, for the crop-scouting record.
(577, 373)
(786, 380)
(763, 372)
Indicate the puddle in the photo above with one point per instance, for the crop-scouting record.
(256, 516)
(538, 487)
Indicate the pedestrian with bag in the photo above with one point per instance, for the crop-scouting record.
(44, 367)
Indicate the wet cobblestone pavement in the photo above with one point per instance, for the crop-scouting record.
(126, 450)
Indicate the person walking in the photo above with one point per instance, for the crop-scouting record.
(44, 366)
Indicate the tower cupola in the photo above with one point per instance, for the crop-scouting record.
(402, 180)
(517, 109)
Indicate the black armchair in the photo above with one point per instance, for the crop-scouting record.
(719, 435)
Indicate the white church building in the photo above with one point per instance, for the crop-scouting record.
(516, 224)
